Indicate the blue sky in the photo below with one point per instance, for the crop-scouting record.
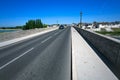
(18, 12)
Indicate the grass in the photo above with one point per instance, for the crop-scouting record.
(109, 33)
(116, 29)
(115, 32)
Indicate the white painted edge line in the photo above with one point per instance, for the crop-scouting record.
(15, 59)
(23, 38)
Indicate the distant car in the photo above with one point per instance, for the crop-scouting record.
(61, 27)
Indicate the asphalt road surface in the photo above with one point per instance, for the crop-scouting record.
(45, 57)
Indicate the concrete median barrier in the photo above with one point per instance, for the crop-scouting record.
(108, 46)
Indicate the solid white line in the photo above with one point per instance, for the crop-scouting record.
(46, 39)
(15, 58)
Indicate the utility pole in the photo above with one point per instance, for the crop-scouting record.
(57, 23)
(80, 20)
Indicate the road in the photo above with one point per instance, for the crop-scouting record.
(45, 57)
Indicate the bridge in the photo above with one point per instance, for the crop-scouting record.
(68, 54)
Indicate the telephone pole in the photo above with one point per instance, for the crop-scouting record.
(81, 19)
(57, 23)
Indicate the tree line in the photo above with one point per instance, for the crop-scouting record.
(32, 24)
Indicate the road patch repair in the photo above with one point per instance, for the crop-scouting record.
(26, 37)
(86, 64)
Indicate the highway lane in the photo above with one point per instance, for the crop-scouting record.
(15, 49)
(45, 57)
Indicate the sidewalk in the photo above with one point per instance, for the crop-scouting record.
(86, 64)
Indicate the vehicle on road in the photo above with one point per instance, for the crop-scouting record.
(61, 27)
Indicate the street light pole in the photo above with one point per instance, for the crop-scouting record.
(80, 19)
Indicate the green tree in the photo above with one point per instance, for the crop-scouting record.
(38, 23)
(31, 24)
(18, 27)
(45, 26)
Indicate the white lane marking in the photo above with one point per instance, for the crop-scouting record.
(15, 58)
(46, 39)
(56, 33)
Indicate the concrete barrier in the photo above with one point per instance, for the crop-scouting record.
(108, 46)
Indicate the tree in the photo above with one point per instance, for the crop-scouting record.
(45, 26)
(29, 25)
(39, 23)
(18, 27)
(32, 24)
